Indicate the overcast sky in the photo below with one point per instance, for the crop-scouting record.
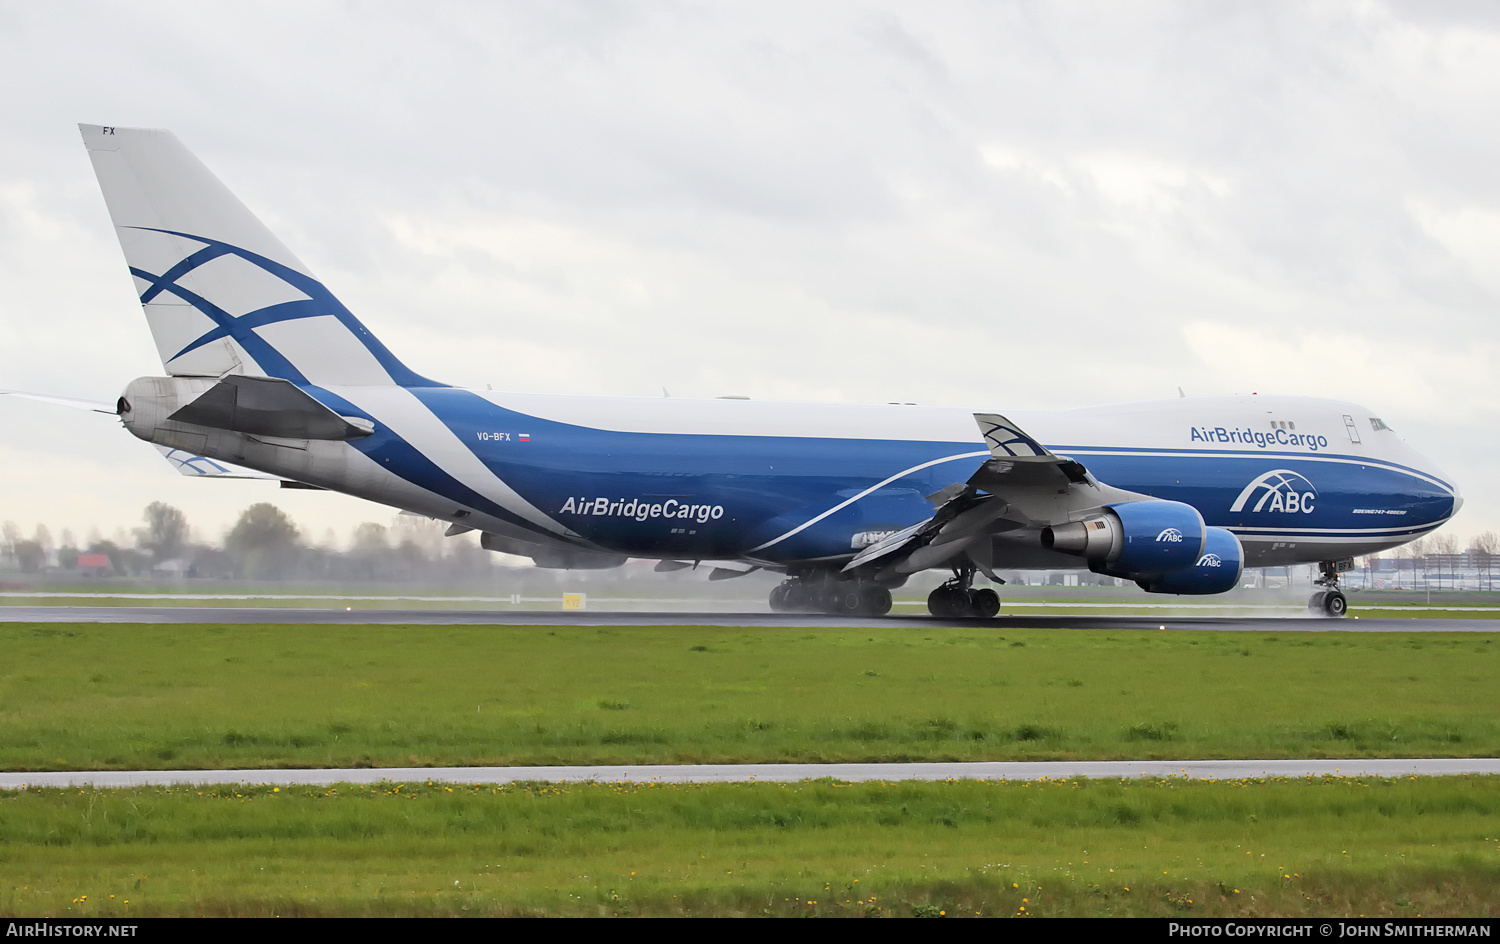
(992, 205)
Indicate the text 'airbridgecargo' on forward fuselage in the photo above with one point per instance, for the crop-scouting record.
(1253, 437)
(641, 510)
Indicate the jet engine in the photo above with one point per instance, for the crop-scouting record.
(1216, 571)
(1133, 540)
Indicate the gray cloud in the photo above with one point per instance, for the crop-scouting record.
(998, 204)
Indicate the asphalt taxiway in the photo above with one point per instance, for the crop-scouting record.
(1288, 622)
(772, 773)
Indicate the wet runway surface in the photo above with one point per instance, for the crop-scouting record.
(454, 617)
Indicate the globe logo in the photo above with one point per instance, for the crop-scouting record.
(1280, 490)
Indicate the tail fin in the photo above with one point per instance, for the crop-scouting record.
(221, 293)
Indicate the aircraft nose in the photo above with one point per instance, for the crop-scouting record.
(1439, 488)
(1450, 486)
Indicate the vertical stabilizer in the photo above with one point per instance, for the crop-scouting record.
(221, 293)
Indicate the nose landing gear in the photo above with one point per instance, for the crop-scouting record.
(1330, 601)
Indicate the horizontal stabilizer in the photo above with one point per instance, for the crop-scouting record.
(97, 406)
(263, 406)
(204, 467)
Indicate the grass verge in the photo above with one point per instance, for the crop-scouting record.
(122, 696)
(1166, 848)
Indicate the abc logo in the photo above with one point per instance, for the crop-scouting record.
(1280, 490)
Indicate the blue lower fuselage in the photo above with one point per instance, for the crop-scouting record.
(800, 498)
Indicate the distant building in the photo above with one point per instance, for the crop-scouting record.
(94, 565)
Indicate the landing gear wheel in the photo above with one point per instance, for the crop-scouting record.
(1334, 604)
(844, 601)
(798, 597)
(984, 603)
(778, 598)
(1315, 602)
(1329, 601)
(948, 602)
(874, 601)
(957, 598)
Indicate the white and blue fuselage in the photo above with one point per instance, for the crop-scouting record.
(1296, 479)
(267, 369)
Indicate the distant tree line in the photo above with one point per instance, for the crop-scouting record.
(263, 544)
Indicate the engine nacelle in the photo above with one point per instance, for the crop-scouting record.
(1134, 539)
(1217, 570)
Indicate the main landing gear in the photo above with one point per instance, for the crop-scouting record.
(1329, 601)
(831, 595)
(957, 598)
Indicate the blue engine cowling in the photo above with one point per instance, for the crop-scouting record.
(1218, 569)
(1134, 539)
(1159, 537)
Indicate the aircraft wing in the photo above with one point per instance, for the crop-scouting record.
(1023, 484)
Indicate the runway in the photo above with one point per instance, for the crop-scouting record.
(1289, 622)
(771, 773)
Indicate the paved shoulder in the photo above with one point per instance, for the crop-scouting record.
(775, 773)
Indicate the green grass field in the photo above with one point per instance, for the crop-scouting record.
(1175, 848)
(142, 696)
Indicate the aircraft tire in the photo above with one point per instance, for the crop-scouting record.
(875, 601)
(845, 602)
(797, 598)
(778, 598)
(1315, 602)
(938, 605)
(984, 604)
(1334, 604)
(948, 603)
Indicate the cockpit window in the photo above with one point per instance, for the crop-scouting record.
(1377, 424)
